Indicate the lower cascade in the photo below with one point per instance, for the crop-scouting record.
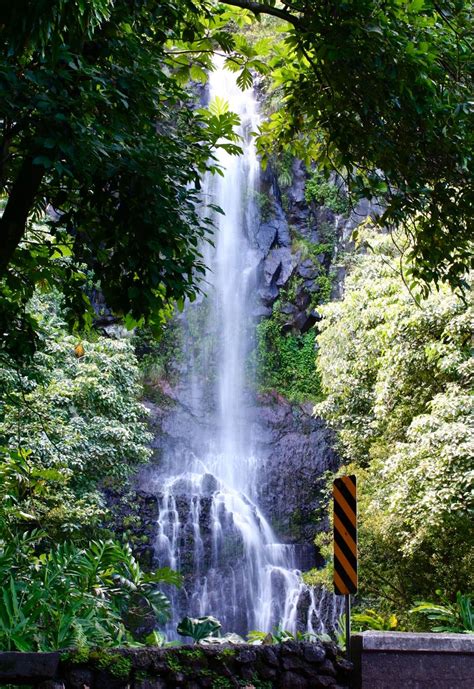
(239, 572)
(210, 526)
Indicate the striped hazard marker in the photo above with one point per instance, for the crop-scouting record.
(345, 545)
(345, 535)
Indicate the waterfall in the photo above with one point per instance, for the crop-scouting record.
(210, 526)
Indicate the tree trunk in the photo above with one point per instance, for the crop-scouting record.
(19, 204)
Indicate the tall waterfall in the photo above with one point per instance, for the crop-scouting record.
(210, 526)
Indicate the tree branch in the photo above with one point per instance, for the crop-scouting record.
(262, 8)
(15, 215)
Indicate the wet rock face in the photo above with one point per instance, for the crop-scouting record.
(295, 450)
(283, 268)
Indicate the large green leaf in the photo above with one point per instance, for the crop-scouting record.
(199, 628)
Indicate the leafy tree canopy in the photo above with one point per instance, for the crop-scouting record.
(397, 379)
(72, 417)
(70, 422)
(98, 132)
(98, 129)
(382, 92)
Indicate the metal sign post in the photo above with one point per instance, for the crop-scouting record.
(345, 544)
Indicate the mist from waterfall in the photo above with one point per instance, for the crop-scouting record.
(209, 525)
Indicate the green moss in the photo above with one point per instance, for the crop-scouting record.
(158, 357)
(76, 655)
(283, 165)
(194, 653)
(312, 250)
(263, 203)
(116, 664)
(174, 664)
(131, 520)
(227, 653)
(325, 285)
(142, 675)
(218, 682)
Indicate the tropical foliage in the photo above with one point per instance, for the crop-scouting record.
(103, 144)
(72, 417)
(382, 94)
(396, 374)
(199, 628)
(449, 616)
(98, 132)
(326, 193)
(70, 421)
(72, 597)
(285, 360)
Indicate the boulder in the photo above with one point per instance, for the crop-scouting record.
(261, 311)
(79, 678)
(151, 684)
(268, 294)
(302, 299)
(295, 449)
(265, 236)
(288, 309)
(311, 286)
(290, 680)
(307, 269)
(314, 652)
(278, 267)
(283, 232)
(246, 656)
(323, 681)
(305, 320)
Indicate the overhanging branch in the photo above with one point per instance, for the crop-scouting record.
(262, 8)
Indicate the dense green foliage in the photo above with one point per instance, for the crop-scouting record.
(96, 129)
(96, 126)
(69, 596)
(70, 421)
(77, 418)
(285, 361)
(102, 149)
(396, 376)
(326, 193)
(199, 628)
(449, 616)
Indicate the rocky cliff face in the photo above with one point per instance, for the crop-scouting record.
(301, 241)
(296, 449)
(293, 449)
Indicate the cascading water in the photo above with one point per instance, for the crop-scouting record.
(209, 526)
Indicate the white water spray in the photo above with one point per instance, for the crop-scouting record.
(210, 526)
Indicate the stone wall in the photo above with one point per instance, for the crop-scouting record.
(292, 665)
(396, 660)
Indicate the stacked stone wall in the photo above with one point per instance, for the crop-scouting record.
(291, 665)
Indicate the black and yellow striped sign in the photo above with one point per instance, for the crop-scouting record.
(345, 535)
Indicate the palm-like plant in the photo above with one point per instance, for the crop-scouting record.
(199, 628)
(71, 591)
(68, 594)
(449, 616)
